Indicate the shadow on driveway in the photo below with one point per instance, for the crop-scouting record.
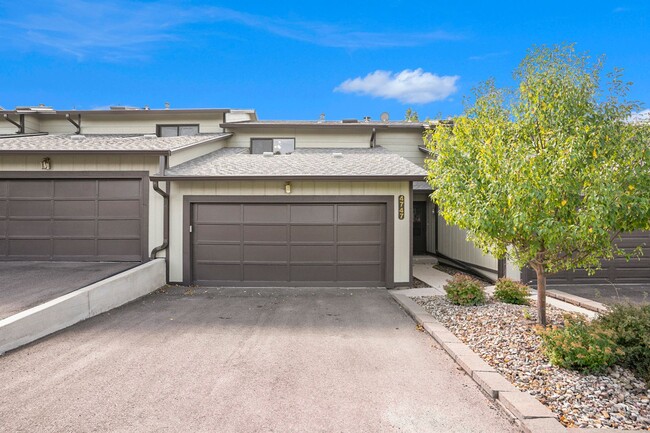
(244, 360)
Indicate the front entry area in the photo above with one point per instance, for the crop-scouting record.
(298, 243)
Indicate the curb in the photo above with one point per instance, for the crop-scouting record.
(59, 313)
(532, 415)
(578, 301)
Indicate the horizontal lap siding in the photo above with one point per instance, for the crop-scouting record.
(304, 139)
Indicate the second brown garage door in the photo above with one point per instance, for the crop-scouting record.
(73, 219)
(311, 244)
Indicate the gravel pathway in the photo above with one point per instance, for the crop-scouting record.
(506, 339)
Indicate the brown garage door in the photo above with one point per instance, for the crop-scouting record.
(262, 244)
(617, 271)
(72, 219)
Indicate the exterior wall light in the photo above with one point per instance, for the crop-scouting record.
(46, 164)
(287, 187)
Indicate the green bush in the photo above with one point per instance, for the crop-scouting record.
(580, 345)
(630, 325)
(511, 292)
(464, 290)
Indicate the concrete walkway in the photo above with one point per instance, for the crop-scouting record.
(238, 360)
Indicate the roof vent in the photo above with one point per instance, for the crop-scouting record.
(321, 119)
(77, 137)
(267, 154)
(337, 155)
(366, 119)
(150, 136)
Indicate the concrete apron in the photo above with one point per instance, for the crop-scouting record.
(89, 301)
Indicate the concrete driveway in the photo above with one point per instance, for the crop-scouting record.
(237, 360)
(26, 284)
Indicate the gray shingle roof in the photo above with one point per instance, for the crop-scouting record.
(113, 143)
(422, 186)
(238, 163)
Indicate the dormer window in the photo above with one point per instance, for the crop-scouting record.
(176, 130)
(282, 146)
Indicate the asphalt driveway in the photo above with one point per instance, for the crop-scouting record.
(26, 284)
(237, 360)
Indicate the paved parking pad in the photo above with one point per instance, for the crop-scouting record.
(244, 360)
(25, 285)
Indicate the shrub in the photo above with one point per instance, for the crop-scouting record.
(511, 292)
(580, 345)
(630, 325)
(464, 290)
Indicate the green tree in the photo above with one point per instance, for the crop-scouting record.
(411, 115)
(548, 173)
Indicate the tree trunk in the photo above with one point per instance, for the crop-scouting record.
(541, 294)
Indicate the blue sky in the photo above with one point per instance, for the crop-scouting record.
(295, 60)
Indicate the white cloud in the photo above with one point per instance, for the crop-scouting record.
(408, 86)
(641, 116)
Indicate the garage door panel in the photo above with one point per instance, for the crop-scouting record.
(119, 209)
(118, 247)
(75, 208)
(359, 233)
(265, 233)
(265, 273)
(312, 233)
(123, 189)
(118, 228)
(313, 273)
(218, 214)
(360, 253)
(30, 247)
(32, 209)
(265, 253)
(75, 189)
(312, 214)
(268, 214)
(74, 247)
(221, 272)
(359, 213)
(313, 253)
(222, 232)
(73, 228)
(30, 189)
(218, 253)
(3, 208)
(367, 273)
(3, 246)
(30, 228)
(3, 188)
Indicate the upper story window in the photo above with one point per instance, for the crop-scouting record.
(275, 145)
(177, 130)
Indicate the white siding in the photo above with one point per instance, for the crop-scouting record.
(276, 188)
(403, 143)
(192, 152)
(304, 138)
(31, 124)
(26, 163)
(453, 243)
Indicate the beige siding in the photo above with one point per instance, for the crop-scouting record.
(130, 123)
(273, 188)
(403, 143)
(31, 124)
(453, 243)
(25, 163)
(304, 138)
(192, 152)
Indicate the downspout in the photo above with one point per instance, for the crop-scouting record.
(373, 138)
(165, 195)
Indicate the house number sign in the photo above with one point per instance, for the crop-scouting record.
(400, 211)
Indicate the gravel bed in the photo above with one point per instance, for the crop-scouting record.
(506, 339)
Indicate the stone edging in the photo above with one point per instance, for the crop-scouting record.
(579, 301)
(532, 415)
